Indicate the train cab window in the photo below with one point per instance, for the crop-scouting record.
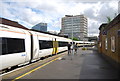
(45, 44)
(12, 45)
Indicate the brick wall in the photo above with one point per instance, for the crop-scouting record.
(110, 31)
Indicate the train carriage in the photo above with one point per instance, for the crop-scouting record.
(42, 45)
(45, 44)
(15, 45)
(62, 43)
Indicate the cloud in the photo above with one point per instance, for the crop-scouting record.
(32, 12)
(98, 14)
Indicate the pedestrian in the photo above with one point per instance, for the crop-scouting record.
(69, 49)
(75, 48)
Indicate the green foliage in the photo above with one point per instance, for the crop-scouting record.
(109, 19)
(74, 38)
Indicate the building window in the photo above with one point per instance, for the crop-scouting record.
(113, 43)
(106, 45)
(100, 44)
(12, 45)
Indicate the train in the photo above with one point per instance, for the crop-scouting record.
(85, 43)
(20, 47)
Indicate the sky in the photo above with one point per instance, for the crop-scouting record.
(31, 12)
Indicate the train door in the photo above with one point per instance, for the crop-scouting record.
(35, 47)
(55, 47)
(28, 45)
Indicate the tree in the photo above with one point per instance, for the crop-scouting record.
(74, 38)
(109, 19)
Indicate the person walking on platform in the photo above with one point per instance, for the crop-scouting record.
(69, 49)
(75, 48)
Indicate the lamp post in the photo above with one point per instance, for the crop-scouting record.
(72, 36)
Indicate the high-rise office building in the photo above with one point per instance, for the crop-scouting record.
(40, 27)
(76, 24)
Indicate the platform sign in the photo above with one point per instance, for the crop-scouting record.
(113, 43)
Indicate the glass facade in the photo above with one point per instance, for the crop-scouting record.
(40, 27)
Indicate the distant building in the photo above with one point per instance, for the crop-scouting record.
(40, 27)
(93, 39)
(78, 23)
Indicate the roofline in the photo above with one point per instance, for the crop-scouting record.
(46, 33)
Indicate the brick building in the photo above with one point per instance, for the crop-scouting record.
(109, 40)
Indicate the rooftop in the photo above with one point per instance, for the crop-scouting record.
(11, 23)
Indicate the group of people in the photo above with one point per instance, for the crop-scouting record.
(72, 47)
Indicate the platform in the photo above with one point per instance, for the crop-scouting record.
(86, 64)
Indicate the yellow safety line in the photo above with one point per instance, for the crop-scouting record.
(35, 69)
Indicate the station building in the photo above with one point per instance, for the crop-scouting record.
(109, 40)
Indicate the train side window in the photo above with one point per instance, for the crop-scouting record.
(12, 45)
(4, 46)
(62, 44)
(0, 46)
(113, 43)
(44, 44)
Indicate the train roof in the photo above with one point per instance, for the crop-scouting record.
(46, 33)
(7, 27)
